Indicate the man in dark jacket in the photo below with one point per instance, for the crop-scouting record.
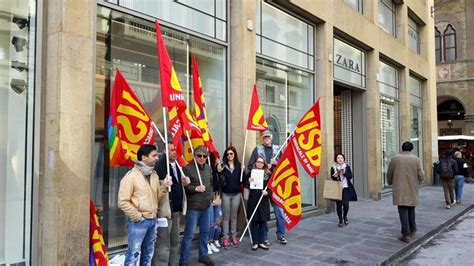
(447, 169)
(199, 197)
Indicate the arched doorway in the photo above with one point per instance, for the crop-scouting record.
(451, 118)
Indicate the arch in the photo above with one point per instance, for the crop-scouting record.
(274, 127)
(450, 108)
(438, 45)
(449, 43)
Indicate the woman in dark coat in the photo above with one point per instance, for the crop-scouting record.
(340, 171)
(262, 215)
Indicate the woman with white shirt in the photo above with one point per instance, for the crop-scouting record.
(340, 171)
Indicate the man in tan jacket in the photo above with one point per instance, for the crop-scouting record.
(139, 195)
(405, 174)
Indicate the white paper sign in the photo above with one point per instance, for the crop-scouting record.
(257, 175)
(162, 222)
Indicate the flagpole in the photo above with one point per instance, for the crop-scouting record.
(243, 155)
(284, 144)
(158, 131)
(195, 163)
(245, 213)
(253, 214)
(166, 147)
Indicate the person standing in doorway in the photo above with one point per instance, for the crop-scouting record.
(171, 208)
(340, 171)
(139, 195)
(459, 178)
(405, 175)
(199, 197)
(268, 151)
(447, 170)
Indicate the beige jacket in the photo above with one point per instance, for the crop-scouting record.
(137, 198)
(405, 174)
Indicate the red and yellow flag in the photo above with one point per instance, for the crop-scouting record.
(171, 93)
(200, 110)
(256, 120)
(307, 140)
(182, 121)
(98, 252)
(285, 185)
(130, 125)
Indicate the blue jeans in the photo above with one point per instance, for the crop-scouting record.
(214, 229)
(458, 186)
(194, 218)
(141, 241)
(280, 221)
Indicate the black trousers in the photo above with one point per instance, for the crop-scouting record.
(343, 204)
(407, 219)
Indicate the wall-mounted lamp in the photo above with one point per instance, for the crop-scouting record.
(449, 123)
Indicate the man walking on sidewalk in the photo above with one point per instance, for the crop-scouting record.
(447, 170)
(405, 174)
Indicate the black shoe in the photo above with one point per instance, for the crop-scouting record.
(267, 243)
(254, 247)
(206, 261)
(340, 224)
(282, 240)
(346, 222)
(263, 246)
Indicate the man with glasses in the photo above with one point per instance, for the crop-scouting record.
(269, 152)
(199, 197)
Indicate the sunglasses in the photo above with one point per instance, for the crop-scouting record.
(230, 153)
(259, 162)
(201, 156)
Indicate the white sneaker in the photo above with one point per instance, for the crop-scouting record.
(213, 248)
(448, 206)
(209, 250)
(217, 244)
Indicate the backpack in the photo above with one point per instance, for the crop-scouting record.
(445, 169)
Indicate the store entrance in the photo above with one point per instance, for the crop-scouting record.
(350, 133)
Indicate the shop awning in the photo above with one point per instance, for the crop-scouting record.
(456, 137)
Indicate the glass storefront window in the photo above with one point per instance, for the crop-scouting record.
(285, 95)
(416, 101)
(284, 37)
(355, 4)
(17, 93)
(387, 16)
(207, 17)
(389, 116)
(129, 43)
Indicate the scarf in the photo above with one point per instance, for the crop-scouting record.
(145, 169)
(338, 167)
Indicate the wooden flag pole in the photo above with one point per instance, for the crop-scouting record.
(166, 146)
(243, 155)
(246, 219)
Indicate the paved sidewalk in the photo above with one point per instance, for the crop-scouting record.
(371, 237)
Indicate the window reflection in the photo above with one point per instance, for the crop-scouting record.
(129, 43)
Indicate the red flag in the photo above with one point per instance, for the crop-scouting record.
(96, 240)
(171, 93)
(285, 185)
(130, 125)
(256, 120)
(307, 140)
(200, 110)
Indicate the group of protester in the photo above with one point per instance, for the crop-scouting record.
(154, 195)
(209, 195)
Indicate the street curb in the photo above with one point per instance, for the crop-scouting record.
(406, 250)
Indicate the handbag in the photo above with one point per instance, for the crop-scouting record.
(332, 190)
(217, 201)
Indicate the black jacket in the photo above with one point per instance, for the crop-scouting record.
(230, 181)
(176, 195)
(461, 170)
(350, 187)
(263, 211)
(196, 200)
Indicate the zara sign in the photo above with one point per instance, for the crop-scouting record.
(349, 64)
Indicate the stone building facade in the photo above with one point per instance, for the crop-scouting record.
(454, 39)
(370, 61)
